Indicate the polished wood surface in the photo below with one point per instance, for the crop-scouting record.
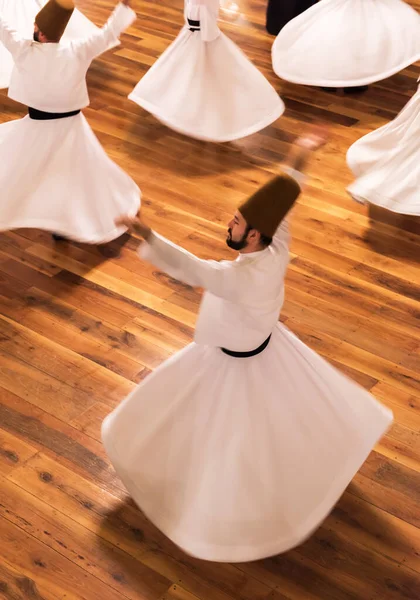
(81, 326)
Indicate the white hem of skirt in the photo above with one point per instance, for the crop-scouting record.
(235, 554)
(52, 227)
(366, 196)
(151, 108)
(339, 83)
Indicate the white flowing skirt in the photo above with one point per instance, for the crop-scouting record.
(208, 90)
(20, 14)
(386, 163)
(55, 175)
(344, 43)
(238, 459)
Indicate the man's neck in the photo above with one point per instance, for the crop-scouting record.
(251, 250)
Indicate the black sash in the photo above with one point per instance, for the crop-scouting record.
(194, 25)
(250, 352)
(40, 115)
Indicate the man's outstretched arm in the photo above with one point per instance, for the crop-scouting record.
(100, 41)
(11, 39)
(224, 279)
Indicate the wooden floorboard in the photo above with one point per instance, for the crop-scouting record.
(80, 326)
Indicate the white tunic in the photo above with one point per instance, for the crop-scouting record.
(51, 77)
(345, 43)
(20, 15)
(55, 175)
(386, 163)
(243, 298)
(237, 459)
(203, 86)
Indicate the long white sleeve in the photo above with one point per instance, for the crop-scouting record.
(11, 39)
(224, 279)
(122, 17)
(208, 25)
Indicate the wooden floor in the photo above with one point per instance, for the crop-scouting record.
(81, 326)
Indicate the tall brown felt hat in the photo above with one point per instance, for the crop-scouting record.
(266, 209)
(52, 19)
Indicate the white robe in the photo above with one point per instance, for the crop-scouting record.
(55, 175)
(237, 459)
(386, 163)
(348, 43)
(20, 15)
(203, 86)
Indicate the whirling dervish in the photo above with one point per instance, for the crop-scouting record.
(386, 163)
(239, 445)
(20, 15)
(347, 43)
(203, 86)
(54, 173)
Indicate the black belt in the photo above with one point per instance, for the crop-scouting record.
(194, 25)
(250, 352)
(40, 115)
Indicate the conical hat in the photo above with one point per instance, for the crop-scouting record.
(267, 207)
(52, 19)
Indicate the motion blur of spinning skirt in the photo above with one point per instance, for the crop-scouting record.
(67, 185)
(386, 163)
(203, 86)
(348, 43)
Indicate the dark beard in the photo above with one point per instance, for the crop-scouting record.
(36, 36)
(240, 244)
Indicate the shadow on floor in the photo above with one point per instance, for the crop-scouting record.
(403, 230)
(351, 557)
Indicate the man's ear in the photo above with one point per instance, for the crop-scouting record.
(254, 235)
